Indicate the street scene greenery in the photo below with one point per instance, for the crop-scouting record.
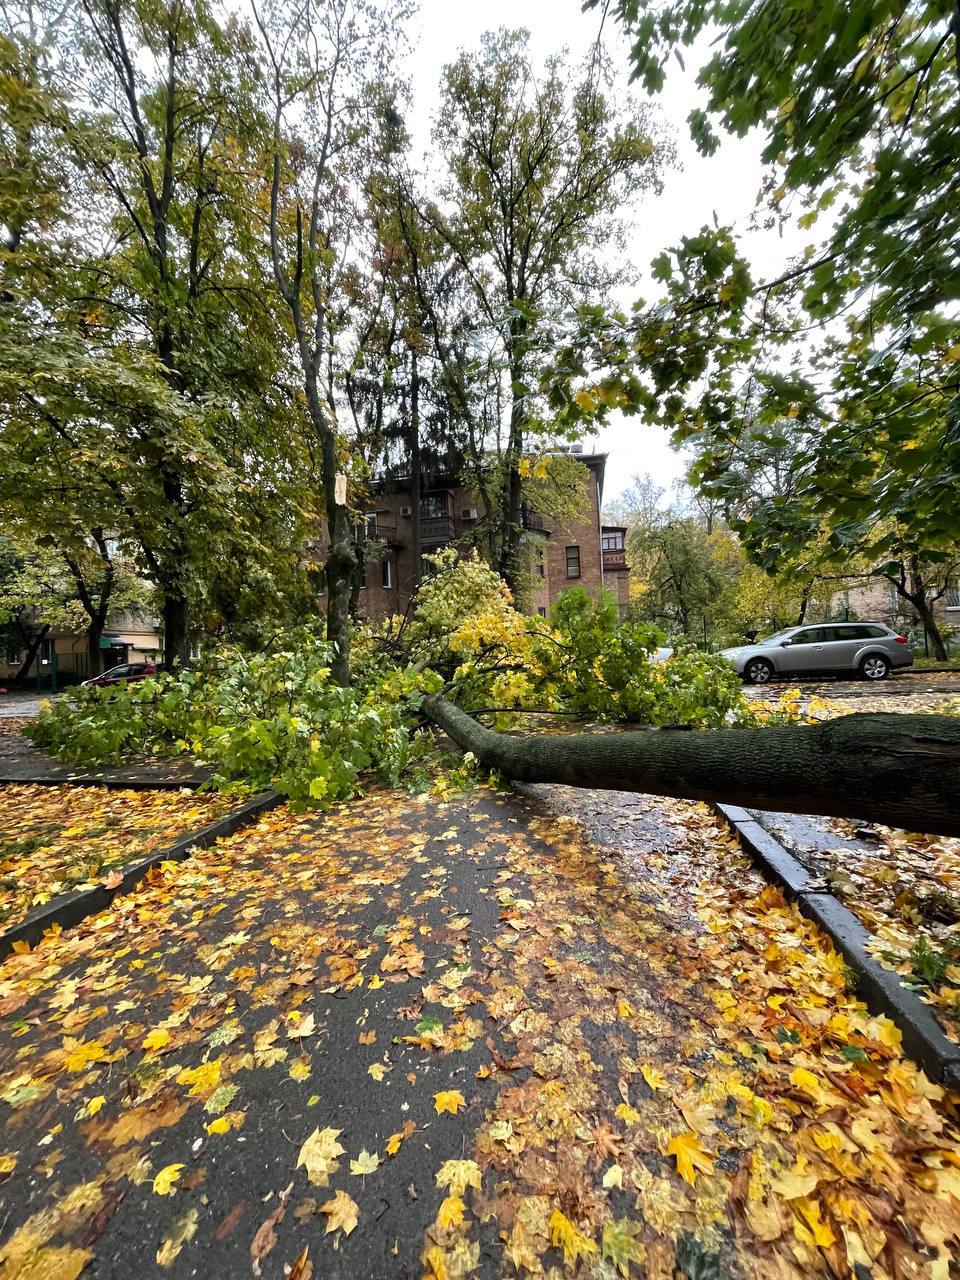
(492, 948)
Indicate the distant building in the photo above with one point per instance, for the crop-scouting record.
(878, 600)
(129, 637)
(579, 552)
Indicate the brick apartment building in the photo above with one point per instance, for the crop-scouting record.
(560, 554)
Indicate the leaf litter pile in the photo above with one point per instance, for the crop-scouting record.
(54, 839)
(903, 886)
(418, 1039)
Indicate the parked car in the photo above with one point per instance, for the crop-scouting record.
(128, 671)
(870, 649)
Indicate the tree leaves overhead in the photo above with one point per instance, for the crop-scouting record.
(142, 375)
(858, 339)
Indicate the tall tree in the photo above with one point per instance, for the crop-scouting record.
(140, 370)
(323, 63)
(537, 166)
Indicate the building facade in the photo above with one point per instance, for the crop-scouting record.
(575, 552)
(129, 636)
(878, 600)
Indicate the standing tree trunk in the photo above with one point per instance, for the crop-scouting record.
(32, 651)
(95, 600)
(299, 256)
(94, 636)
(510, 567)
(416, 479)
(910, 586)
(176, 633)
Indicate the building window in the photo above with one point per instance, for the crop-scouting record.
(612, 541)
(952, 598)
(573, 562)
(539, 567)
(541, 612)
(435, 505)
(386, 573)
(13, 656)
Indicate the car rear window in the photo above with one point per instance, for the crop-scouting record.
(877, 633)
(847, 633)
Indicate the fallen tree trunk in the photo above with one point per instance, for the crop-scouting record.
(903, 770)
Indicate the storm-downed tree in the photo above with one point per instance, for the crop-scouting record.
(899, 769)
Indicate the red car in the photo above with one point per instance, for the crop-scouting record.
(126, 671)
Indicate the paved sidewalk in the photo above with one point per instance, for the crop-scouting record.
(561, 1033)
(21, 761)
(17, 705)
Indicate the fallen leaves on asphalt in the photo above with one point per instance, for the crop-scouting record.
(660, 1072)
(55, 839)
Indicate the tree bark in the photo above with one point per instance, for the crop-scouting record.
(94, 636)
(176, 635)
(903, 770)
(926, 615)
(416, 478)
(32, 651)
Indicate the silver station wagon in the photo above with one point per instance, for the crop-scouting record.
(868, 649)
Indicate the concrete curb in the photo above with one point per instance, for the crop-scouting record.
(880, 988)
(70, 908)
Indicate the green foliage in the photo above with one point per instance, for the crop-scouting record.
(539, 161)
(584, 662)
(143, 372)
(601, 669)
(275, 718)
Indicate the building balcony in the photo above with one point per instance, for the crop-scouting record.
(530, 520)
(436, 530)
(614, 559)
(374, 529)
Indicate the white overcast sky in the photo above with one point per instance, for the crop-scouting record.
(726, 183)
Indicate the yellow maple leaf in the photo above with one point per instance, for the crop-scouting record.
(80, 1053)
(377, 1070)
(21, 948)
(318, 1155)
(341, 1213)
(201, 1079)
(364, 1163)
(815, 1232)
(301, 1027)
(220, 1125)
(567, 1236)
(450, 1213)
(393, 1143)
(800, 1078)
(690, 1156)
(626, 1113)
(448, 1100)
(156, 1039)
(94, 1105)
(457, 1175)
(375, 982)
(654, 1077)
(163, 1183)
(299, 1070)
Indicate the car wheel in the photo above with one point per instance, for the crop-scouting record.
(874, 667)
(758, 671)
